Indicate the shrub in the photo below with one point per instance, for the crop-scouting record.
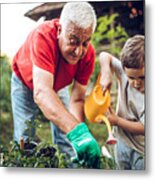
(5, 74)
(41, 155)
(110, 32)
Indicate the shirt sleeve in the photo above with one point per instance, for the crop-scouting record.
(42, 53)
(86, 67)
(117, 67)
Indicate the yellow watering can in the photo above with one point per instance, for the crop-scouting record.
(96, 105)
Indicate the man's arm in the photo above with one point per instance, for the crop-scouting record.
(84, 144)
(77, 101)
(48, 101)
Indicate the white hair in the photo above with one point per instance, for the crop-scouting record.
(81, 14)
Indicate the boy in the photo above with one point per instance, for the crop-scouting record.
(130, 117)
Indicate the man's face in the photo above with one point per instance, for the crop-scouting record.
(73, 42)
(136, 78)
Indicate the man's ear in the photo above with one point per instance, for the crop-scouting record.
(59, 30)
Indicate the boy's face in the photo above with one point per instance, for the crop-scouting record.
(136, 78)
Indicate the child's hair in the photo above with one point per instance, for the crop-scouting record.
(133, 53)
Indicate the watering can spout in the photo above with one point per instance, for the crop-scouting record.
(111, 139)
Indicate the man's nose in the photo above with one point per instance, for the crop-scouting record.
(78, 51)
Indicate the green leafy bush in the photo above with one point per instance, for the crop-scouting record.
(6, 126)
(41, 155)
(109, 32)
(5, 79)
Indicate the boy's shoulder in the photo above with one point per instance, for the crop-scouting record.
(117, 68)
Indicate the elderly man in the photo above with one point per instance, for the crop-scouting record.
(55, 54)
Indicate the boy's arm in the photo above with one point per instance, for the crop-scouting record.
(106, 72)
(109, 65)
(130, 126)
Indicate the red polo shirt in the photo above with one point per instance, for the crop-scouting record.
(41, 48)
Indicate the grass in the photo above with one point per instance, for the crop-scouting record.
(6, 129)
(99, 131)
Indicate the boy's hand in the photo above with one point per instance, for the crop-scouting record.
(112, 117)
(106, 82)
(85, 146)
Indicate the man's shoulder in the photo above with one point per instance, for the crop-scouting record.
(45, 34)
(49, 26)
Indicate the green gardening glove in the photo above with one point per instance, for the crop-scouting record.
(85, 146)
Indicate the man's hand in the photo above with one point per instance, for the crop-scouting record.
(85, 146)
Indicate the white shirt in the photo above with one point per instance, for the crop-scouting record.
(130, 106)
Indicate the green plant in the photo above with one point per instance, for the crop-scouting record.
(96, 72)
(108, 32)
(5, 79)
(42, 155)
(107, 163)
(33, 155)
(6, 125)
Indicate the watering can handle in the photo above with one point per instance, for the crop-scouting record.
(98, 79)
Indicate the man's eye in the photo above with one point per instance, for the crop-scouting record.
(73, 42)
(85, 44)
